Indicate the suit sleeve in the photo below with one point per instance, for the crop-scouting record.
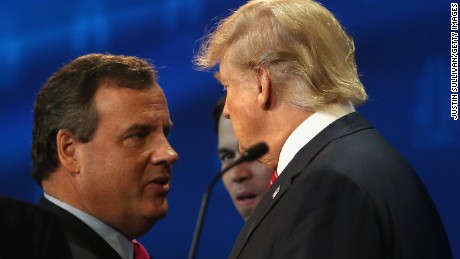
(330, 217)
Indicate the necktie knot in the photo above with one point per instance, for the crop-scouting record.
(139, 251)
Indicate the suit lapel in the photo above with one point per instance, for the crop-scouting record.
(82, 239)
(346, 125)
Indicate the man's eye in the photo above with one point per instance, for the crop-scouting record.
(139, 135)
(227, 156)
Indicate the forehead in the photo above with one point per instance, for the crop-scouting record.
(230, 73)
(226, 135)
(126, 104)
(227, 72)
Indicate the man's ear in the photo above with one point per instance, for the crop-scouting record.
(66, 149)
(266, 95)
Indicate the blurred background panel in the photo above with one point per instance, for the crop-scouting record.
(403, 56)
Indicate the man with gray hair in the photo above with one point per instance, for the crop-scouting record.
(341, 190)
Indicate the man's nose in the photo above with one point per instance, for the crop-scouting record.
(164, 154)
(225, 111)
(241, 173)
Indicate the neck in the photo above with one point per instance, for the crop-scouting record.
(60, 186)
(281, 122)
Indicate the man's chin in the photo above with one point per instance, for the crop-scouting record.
(150, 220)
(160, 213)
(246, 209)
(157, 212)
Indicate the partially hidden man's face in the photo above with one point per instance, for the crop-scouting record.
(247, 182)
(125, 170)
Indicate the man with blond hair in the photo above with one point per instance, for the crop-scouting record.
(342, 191)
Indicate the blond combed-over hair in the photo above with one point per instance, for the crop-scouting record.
(309, 56)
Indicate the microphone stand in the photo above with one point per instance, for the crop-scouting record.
(251, 154)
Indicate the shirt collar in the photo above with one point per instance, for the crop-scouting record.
(308, 129)
(122, 245)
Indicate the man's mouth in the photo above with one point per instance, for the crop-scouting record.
(246, 198)
(161, 180)
(159, 184)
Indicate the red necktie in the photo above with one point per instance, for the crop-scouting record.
(139, 251)
(273, 178)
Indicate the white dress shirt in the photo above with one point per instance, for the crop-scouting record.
(121, 244)
(308, 129)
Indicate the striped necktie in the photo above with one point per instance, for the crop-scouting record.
(273, 179)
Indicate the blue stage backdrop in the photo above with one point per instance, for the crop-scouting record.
(403, 56)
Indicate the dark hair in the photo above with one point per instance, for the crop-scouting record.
(217, 112)
(65, 102)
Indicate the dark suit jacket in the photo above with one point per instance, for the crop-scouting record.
(84, 242)
(27, 231)
(346, 194)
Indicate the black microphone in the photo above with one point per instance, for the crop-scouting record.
(250, 154)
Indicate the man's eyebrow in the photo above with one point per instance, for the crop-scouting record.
(223, 150)
(217, 76)
(136, 127)
(167, 128)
